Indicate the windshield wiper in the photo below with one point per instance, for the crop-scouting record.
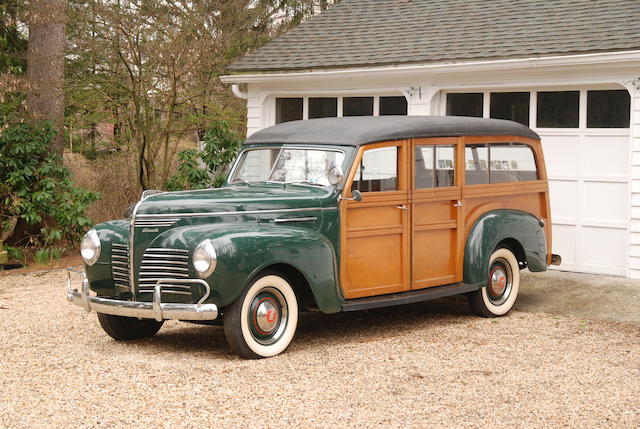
(304, 182)
(239, 180)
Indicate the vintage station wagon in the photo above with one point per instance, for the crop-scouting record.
(336, 214)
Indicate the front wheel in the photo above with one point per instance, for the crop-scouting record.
(262, 322)
(500, 293)
(128, 328)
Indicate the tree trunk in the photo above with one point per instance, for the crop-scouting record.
(45, 65)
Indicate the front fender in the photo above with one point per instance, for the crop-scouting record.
(245, 250)
(99, 274)
(496, 226)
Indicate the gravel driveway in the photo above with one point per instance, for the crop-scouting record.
(426, 365)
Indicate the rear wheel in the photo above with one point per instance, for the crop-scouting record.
(262, 322)
(128, 328)
(503, 283)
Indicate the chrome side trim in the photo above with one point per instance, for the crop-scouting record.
(166, 261)
(296, 219)
(245, 212)
(165, 249)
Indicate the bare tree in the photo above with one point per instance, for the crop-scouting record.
(45, 64)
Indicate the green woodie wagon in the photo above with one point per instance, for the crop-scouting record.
(338, 214)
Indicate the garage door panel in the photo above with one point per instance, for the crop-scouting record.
(605, 202)
(562, 149)
(604, 247)
(606, 156)
(564, 242)
(563, 196)
(589, 198)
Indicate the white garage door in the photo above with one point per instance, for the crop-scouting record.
(588, 173)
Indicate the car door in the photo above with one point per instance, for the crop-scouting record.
(375, 231)
(436, 212)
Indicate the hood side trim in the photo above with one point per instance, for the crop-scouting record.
(244, 212)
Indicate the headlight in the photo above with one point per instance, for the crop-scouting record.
(90, 247)
(204, 259)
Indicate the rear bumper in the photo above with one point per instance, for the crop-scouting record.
(144, 310)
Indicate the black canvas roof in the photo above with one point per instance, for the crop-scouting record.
(356, 131)
(379, 32)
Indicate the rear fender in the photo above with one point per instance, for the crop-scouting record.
(496, 226)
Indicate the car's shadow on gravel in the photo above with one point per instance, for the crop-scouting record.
(316, 330)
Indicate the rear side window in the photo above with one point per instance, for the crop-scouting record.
(499, 163)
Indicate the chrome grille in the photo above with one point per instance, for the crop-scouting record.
(120, 266)
(159, 263)
(155, 222)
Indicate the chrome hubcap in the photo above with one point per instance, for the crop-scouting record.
(268, 316)
(500, 281)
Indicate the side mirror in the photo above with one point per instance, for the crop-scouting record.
(335, 175)
(355, 196)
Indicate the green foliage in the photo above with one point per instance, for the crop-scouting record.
(15, 253)
(13, 42)
(47, 256)
(221, 146)
(37, 189)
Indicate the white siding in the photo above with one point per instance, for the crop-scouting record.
(634, 236)
(255, 112)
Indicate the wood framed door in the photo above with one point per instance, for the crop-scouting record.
(375, 232)
(436, 212)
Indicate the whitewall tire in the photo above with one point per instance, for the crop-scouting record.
(262, 321)
(503, 283)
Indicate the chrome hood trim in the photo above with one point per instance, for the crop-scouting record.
(235, 213)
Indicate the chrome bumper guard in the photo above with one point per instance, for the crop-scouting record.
(143, 310)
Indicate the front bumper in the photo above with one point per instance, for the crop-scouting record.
(143, 310)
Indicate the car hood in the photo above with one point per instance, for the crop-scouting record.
(235, 198)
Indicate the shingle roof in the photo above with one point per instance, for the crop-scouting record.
(379, 32)
(359, 130)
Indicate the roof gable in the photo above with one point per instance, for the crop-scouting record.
(379, 32)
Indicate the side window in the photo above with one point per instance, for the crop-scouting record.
(378, 170)
(511, 162)
(435, 166)
(499, 163)
(476, 164)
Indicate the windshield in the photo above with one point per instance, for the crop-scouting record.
(310, 166)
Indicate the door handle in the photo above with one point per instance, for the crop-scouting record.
(458, 204)
(403, 207)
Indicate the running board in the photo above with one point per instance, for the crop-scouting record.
(408, 297)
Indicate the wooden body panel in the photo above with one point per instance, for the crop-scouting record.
(375, 236)
(387, 250)
(435, 225)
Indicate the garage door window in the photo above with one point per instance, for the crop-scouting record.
(357, 106)
(470, 104)
(393, 106)
(323, 107)
(499, 163)
(608, 109)
(288, 109)
(513, 106)
(558, 109)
